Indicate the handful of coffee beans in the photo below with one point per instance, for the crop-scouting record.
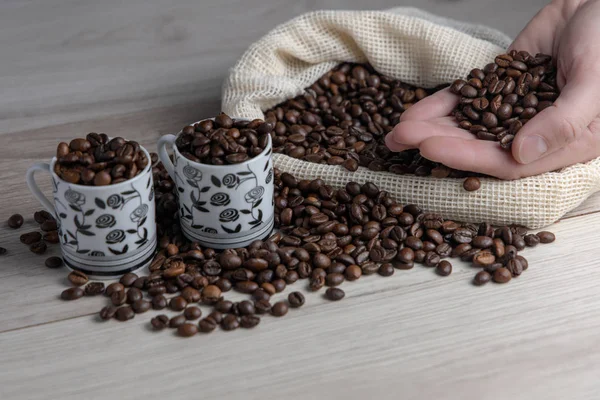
(98, 160)
(224, 141)
(499, 99)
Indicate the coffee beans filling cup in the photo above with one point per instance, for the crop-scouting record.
(104, 229)
(223, 171)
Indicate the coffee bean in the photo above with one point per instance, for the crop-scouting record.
(279, 309)
(124, 313)
(546, 237)
(177, 321)
(15, 221)
(141, 306)
(73, 293)
(77, 278)
(159, 322)
(471, 184)
(207, 325)
(108, 312)
(38, 248)
(353, 272)
(249, 321)
(230, 323)
(51, 237)
(386, 269)
(481, 278)
(444, 268)
(159, 302)
(502, 275)
(296, 299)
(334, 279)
(178, 303)
(128, 279)
(211, 294)
(94, 288)
(114, 287)
(334, 294)
(53, 262)
(31, 238)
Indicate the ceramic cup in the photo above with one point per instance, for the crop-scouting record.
(222, 206)
(105, 231)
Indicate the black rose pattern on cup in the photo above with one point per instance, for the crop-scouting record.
(116, 236)
(139, 213)
(74, 198)
(254, 194)
(230, 180)
(220, 199)
(229, 215)
(192, 173)
(105, 221)
(96, 253)
(114, 201)
(210, 230)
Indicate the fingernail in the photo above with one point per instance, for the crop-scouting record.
(533, 148)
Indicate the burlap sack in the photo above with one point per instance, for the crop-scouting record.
(417, 48)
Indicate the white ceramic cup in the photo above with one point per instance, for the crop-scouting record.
(222, 206)
(105, 231)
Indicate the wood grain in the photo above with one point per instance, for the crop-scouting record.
(412, 334)
(144, 68)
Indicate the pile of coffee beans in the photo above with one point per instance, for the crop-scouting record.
(325, 237)
(499, 99)
(224, 140)
(38, 241)
(98, 161)
(343, 118)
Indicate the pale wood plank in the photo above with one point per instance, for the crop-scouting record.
(410, 335)
(65, 60)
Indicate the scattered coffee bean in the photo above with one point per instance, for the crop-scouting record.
(386, 269)
(114, 287)
(249, 321)
(31, 238)
(262, 306)
(78, 278)
(38, 248)
(546, 237)
(159, 322)
(15, 221)
(296, 299)
(124, 313)
(53, 262)
(187, 330)
(502, 275)
(230, 322)
(279, 309)
(177, 321)
(118, 298)
(73, 293)
(128, 279)
(94, 288)
(192, 313)
(3, 251)
(141, 306)
(444, 268)
(108, 312)
(335, 294)
(207, 325)
(178, 303)
(159, 302)
(481, 278)
(471, 184)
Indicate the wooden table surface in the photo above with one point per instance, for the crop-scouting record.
(143, 68)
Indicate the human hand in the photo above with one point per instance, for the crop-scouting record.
(566, 133)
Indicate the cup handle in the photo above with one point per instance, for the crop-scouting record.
(164, 156)
(34, 187)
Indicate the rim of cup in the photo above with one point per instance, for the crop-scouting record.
(215, 167)
(105, 187)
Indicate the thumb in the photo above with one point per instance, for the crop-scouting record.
(560, 124)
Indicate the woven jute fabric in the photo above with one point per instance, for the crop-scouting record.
(417, 48)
